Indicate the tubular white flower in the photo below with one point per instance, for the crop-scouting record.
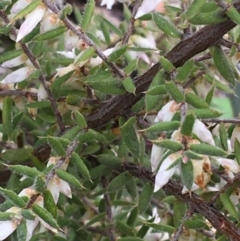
(14, 62)
(235, 135)
(70, 40)
(17, 75)
(164, 174)
(7, 228)
(202, 132)
(109, 3)
(156, 155)
(147, 42)
(31, 22)
(31, 225)
(146, 7)
(229, 164)
(19, 5)
(50, 21)
(167, 112)
(42, 93)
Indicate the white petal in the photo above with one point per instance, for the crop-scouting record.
(17, 75)
(229, 164)
(54, 188)
(109, 3)
(31, 22)
(42, 93)
(235, 135)
(7, 228)
(19, 5)
(28, 192)
(47, 226)
(65, 188)
(14, 62)
(194, 188)
(167, 112)
(143, 42)
(202, 132)
(156, 156)
(50, 21)
(164, 174)
(70, 40)
(31, 225)
(146, 7)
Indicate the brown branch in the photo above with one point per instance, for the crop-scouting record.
(217, 120)
(217, 219)
(111, 230)
(19, 93)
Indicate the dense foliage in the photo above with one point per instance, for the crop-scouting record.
(110, 126)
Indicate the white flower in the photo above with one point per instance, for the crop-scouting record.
(202, 132)
(156, 155)
(50, 21)
(15, 61)
(235, 135)
(31, 21)
(70, 40)
(146, 7)
(147, 42)
(164, 174)
(167, 112)
(19, 5)
(42, 93)
(17, 75)
(109, 3)
(229, 164)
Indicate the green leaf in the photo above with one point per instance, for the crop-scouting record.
(31, 172)
(130, 239)
(129, 136)
(192, 155)
(46, 216)
(69, 178)
(109, 160)
(209, 96)
(72, 133)
(117, 53)
(18, 155)
(166, 64)
(145, 197)
(49, 203)
(105, 32)
(227, 203)
(109, 86)
(161, 227)
(205, 113)
(131, 187)
(187, 125)
(175, 93)
(195, 223)
(99, 171)
(163, 126)
(80, 120)
(133, 217)
(187, 174)
(60, 80)
(233, 14)
(28, 9)
(82, 169)
(113, 28)
(118, 182)
(179, 211)
(193, 9)
(124, 229)
(166, 26)
(237, 150)
(88, 13)
(213, 17)
(206, 149)
(129, 85)
(195, 101)
(223, 65)
(31, 35)
(85, 54)
(184, 71)
(28, 214)
(13, 197)
(22, 231)
(157, 90)
(223, 136)
(5, 216)
(171, 145)
(38, 104)
(7, 115)
(56, 146)
(10, 55)
(51, 34)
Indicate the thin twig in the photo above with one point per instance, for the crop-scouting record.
(111, 231)
(217, 120)
(19, 93)
(132, 21)
(51, 5)
(41, 78)
(180, 227)
(97, 230)
(89, 204)
(69, 152)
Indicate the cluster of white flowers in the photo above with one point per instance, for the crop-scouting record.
(55, 186)
(201, 168)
